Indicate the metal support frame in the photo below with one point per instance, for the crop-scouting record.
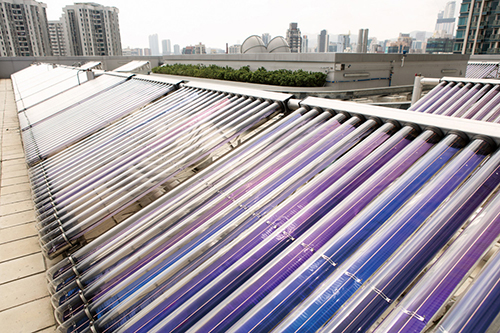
(471, 128)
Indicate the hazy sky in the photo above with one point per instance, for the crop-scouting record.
(217, 22)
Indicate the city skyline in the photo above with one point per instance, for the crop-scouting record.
(208, 22)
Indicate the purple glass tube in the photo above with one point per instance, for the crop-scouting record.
(324, 302)
(318, 235)
(448, 97)
(484, 113)
(430, 94)
(364, 308)
(85, 257)
(449, 110)
(295, 204)
(480, 305)
(453, 104)
(419, 307)
(493, 114)
(433, 98)
(98, 291)
(57, 245)
(471, 101)
(285, 157)
(482, 102)
(277, 304)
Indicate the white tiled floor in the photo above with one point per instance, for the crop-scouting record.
(24, 299)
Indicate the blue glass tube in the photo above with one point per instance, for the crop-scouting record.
(329, 225)
(322, 304)
(292, 206)
(426, 299)
(364, 308)
(106, 304)
(480, 305)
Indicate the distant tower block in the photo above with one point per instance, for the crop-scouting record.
(362, 46)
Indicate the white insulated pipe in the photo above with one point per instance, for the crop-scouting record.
(418, 85)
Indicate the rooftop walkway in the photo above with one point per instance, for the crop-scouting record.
(24, 299)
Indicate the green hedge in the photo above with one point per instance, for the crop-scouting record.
(280, 77)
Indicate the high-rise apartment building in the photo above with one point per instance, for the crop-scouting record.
(402, 45)
(362, 46)
(166, 48)
(478, 30)
(266, 38)
(345, 43)
(323, 41)
(445, 24)
(92, 30)
(153, 45)
(57, 38)
(177, 49)
(294, 38)
(24, 29)
(234, 49)
(305, 44)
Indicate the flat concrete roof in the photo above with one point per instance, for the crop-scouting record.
(25, 301)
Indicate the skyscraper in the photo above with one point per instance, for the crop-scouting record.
(177, 49)
(323, 41)
(153, 45)
(305, 44)
(294, 38)
(478, 30)
(345, 42)
(266, 38)
(362, 46)
(166, 48)
(24, 29)
(445, 24)
(57, 38)
(92, 30)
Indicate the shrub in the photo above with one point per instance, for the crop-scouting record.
(281, 77)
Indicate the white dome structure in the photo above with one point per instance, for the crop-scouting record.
(278, 44)
(253, 44)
